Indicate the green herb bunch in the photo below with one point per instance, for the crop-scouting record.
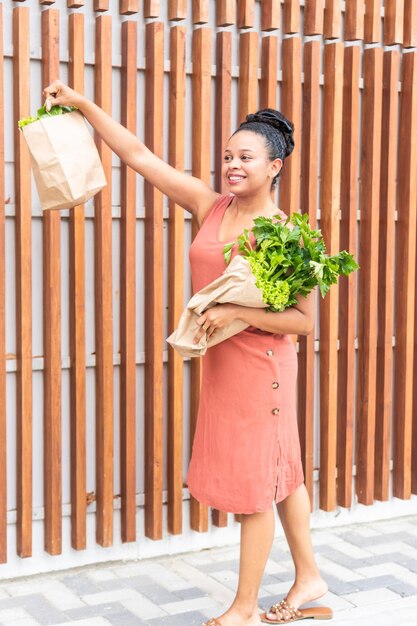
(42, 112)
(289, 261)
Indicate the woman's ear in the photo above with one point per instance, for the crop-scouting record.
(274, 167)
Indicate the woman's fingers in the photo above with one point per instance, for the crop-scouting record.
(58, 93)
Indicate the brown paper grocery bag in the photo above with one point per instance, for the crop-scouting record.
(235, 286)
(64, 159)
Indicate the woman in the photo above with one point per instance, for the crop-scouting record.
(246, 451)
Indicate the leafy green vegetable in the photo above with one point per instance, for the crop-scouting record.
(42, 112)
(290, 261)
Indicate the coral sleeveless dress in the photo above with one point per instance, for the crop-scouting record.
(246, 449)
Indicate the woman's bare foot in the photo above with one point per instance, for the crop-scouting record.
(301, 592)
(238, 617)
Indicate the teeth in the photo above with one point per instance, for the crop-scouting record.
(236, 177)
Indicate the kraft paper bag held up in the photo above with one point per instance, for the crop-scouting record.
(235, 286)
(65, 161)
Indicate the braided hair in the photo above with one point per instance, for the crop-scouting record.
(277, 131)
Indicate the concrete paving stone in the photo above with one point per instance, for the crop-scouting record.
(81, 584)
(325, 537)
(226, 577)
(375, 582)
(152, 590)
(339, 571)
(373, 596)
(186, 606)
(394, 569)
(142, 607)
(91, 621)
(191, 619)
(339, 587)
(97, 575)
(281, 556)
(410, 539)
(365, 530)
(124, 618)
(99, 610)
(26, 621)
(3, 594)
(108, 596)
(58, 594)
(403, 589)
(341, 558)
(212, 587)
(351, 550)
(190, 593)
(232, 565)
(17, 612)
(38, 607)
(272, 567)
(395, 557)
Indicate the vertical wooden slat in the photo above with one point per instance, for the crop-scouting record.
(289, 187)
(101, 5)
(248, 75)
(222, 134)
(270, 14)
(386, 274)
(393, 22)
(372, 21)
(128, 7)
(75, 4)
(354, 20)
(368, 273)
(201, 95)
(103, 298)
(405, 278)
(332, 19)
(410, 23)
(52, 324)
(291, 16)
(21, 108)
(223, 102)
(176, 280)
(329, 224)
(225, 12)
(47, 2)
(3, 431)
(77, 317)
(128, 292)
(269, 77)
(153, 286)
(309, 177)
(347, 285)
(177, 9)
(245, 13)
(201, 11)
(151, 8)
(314, 17)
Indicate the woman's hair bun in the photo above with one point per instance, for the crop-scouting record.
(277, 120)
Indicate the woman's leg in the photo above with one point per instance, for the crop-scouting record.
(257, 535)
(294, 513)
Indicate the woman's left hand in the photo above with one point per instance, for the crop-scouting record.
(216, 317)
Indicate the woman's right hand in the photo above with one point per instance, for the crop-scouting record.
(59, 93)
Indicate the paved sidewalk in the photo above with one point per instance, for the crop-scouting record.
(371, 570)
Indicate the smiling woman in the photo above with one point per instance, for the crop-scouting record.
(246, 450)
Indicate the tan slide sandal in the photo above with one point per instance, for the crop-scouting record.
(295, 615)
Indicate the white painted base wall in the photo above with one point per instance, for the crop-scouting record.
(170, 544)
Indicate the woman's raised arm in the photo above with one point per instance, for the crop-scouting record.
(189, 192)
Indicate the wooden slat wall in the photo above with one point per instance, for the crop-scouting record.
(103, 299)
(405, 278)
(347, 285)
(128, 293)
(23, 245)
(153, 287)
(3, 426)
(77, 319)
(52, 323)
(329, 223)
(309, 184)
(176, 284)
(201, 94)
(389, 146)
(368, 273)
(368, 206)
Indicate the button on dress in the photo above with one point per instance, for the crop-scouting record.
(246, 448)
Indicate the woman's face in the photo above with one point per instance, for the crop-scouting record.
(246, 165)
